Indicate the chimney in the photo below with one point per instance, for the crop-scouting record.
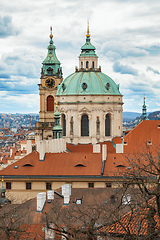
(41, 199)
(49, 231)
(66, 192)
(104, 157)
(96, 148)
(41, 150)
(119, 148)
(11, 151)
(50, 195)
(29, 146)
(104, 152)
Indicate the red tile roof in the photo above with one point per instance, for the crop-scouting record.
(135, 222)
(56, 164)
(145, 131)
(81, 161)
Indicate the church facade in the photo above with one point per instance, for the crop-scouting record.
(89, 101)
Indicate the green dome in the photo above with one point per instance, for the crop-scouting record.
(88, 83)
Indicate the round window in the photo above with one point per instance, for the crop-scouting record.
(84, 86)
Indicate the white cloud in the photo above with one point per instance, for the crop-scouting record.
(123, 31)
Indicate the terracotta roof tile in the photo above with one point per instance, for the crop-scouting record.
(56, 164)
(145, 131)
(135, 222)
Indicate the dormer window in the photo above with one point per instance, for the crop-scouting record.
(107, 86)
(63, 86)
(80, 165)
(149, 142)
(27, 165)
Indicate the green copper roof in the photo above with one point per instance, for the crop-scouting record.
(51, 64)
(88, 49)
(57, 113)
(57, 128)
(51, 56)
(144, 111)
(88, 83)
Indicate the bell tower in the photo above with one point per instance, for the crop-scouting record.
(51, 77)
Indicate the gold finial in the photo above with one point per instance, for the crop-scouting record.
(51, 36)
(56, 104)
(88, 34)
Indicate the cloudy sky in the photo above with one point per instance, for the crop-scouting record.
(126, 34)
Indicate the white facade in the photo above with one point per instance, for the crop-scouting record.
(93, 106)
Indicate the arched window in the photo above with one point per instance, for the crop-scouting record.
(81, 64)
(84, 125)
(107, 125)
(50, 71)
(87, 64)
(93, 64)
(64, 124)
(50, 103)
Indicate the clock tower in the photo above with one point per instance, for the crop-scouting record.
(51, 76)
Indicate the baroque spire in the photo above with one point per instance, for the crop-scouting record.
(51, 64)
(144, 110)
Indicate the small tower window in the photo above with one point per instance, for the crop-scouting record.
(50, 71)
(81, 64)
(50, 103)
(93, 64)
(84, 125)
(87, 64)
(107, 125)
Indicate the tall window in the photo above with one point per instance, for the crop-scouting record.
(8, 185)
(91, 185)
(93, 64)
(107, 125)
(84, 125)
(81, 64)
(87, 64)
(48, 186)
(28, 185)
(64, 124)
(50, 103)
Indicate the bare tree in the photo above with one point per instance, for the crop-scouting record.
(143, 173)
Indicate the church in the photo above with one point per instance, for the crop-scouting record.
(79, 134)
(89, 101)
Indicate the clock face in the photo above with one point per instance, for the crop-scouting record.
(50, 82)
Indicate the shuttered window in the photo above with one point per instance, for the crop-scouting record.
(50, 103)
